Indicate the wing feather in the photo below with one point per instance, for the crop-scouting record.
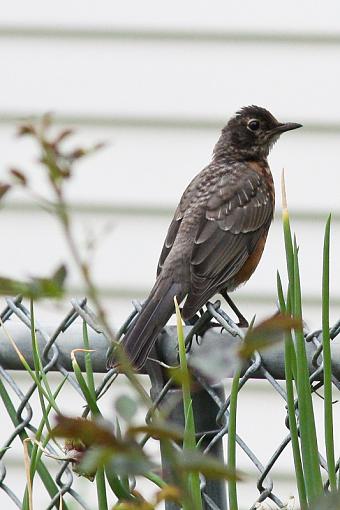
(238, 214)
(176, 222)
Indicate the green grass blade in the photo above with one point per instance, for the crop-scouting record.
(28, 368)
(189, 441)
(308, 441)
(89, 392)
(287, 235)
(309, 446)
(39, 370)
(232, 490)
(117, 487)
(90, 399)
(290, 364)
(38, 365)
(43, 472)
(101, 489)
(88, 362)
(327, 362)
(300, 481)
(124, 480)
(157, 480)
(36, 452)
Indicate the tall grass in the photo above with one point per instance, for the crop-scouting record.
(299, 391)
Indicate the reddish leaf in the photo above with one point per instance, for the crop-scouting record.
(65, 133)
(193, 461)
(157, 431)
(19, 176)
(88, 431)
(268, 333)
(26, 129)
(4, 188)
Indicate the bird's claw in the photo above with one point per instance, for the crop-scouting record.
(243, 323)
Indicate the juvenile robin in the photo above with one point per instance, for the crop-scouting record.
(217, 236)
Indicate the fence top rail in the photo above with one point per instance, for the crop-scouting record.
(68, 336)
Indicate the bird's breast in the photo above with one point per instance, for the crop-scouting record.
(251, 263)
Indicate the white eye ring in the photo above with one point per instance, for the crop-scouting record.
(253, 125)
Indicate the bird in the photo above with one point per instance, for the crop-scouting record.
(217, 235)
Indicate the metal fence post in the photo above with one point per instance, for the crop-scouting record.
(205, 414)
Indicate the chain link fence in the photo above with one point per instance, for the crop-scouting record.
(210, 403)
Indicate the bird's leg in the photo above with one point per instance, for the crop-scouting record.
(243, 323)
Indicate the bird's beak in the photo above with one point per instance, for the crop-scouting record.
(288, 126)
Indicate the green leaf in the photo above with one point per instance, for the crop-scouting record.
(37, 288)
(59, 275)
(157, 431)
(207, 465)
(327, 502)
(126, 407)
(135, 462)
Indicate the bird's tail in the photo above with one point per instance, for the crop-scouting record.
(155, 313)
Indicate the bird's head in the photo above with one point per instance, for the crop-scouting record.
(251, 133)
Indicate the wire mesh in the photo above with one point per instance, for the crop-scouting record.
(22, 414)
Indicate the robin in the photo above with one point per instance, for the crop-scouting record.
(217, 236)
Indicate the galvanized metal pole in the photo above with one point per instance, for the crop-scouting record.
(272, 359)
(205, 414)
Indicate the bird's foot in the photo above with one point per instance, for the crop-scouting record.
(203, 328)
(243, 323)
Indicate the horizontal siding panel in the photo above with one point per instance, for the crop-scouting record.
(218, 15)
(157, 82)
(127, 258)
(118, 308)
(151, 168)
(170, 34)
(124, 78)
(152, 121)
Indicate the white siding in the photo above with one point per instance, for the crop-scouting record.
(158, 81)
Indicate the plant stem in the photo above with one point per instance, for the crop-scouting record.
(125, 365)
(101, 489)
(327, 362)
(189, 441)
(290, 368)
(309, 445)
(232, 490)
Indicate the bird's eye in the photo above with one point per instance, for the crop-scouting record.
(253, 125)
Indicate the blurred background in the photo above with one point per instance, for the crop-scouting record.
(157, 81)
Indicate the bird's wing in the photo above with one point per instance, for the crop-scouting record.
(176, 221)
(238, 213)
